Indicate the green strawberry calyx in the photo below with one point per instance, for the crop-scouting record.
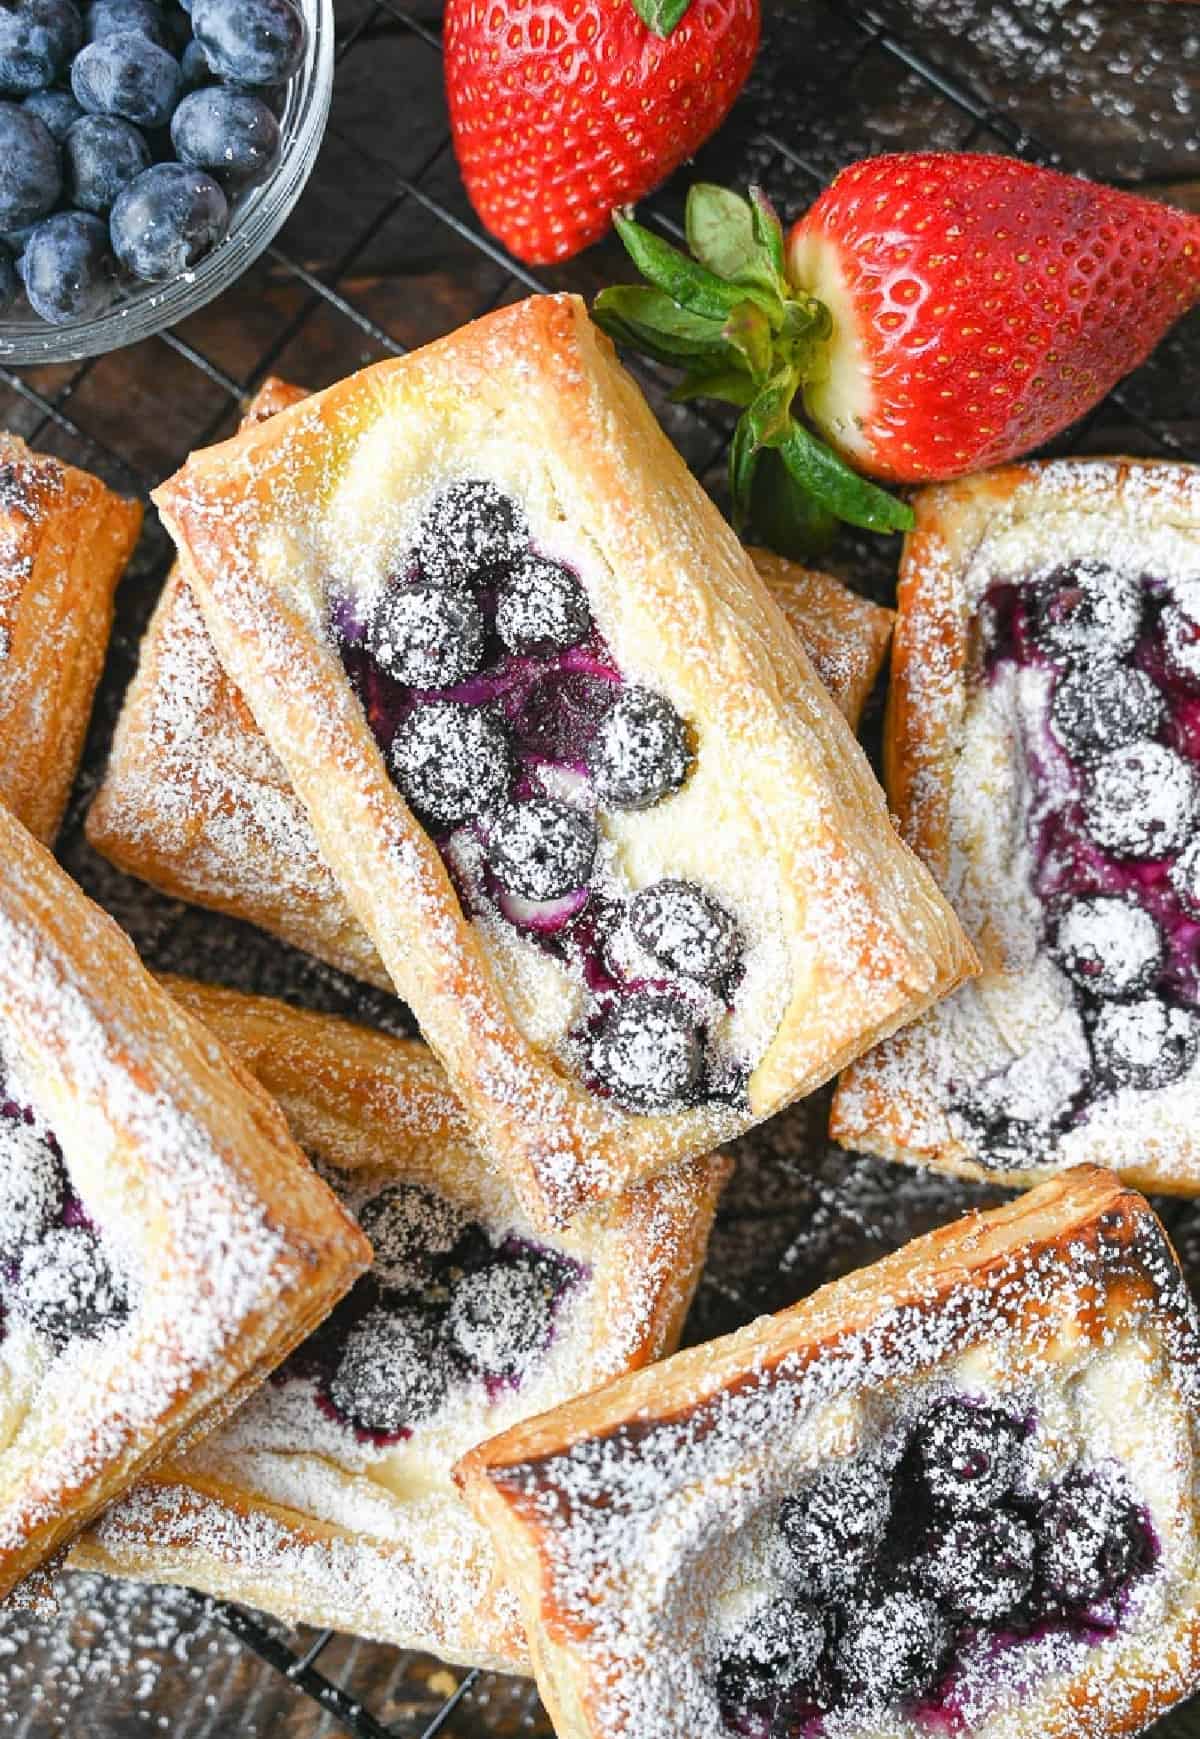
(661, 16)
(727, 315)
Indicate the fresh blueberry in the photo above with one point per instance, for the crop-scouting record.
(69, 270)
(231, 133)
(773, 1653)
(542, 849)
(647, 1051)
(17, 240)
(1092, 1539)
(641, 752)
(1185, 878)
(58, 109)
(427, 636)
(1142, 801)
(102, 155)
(1098, 708)
(1181, 646)
(127, 75)
(251, 42)
(10, 279)
(112, 17)
(67, 1287)
(981, 1566)
(37, 39)
(30, 167)
(499, 1317)
(834, 1527)
(194, 67)
(469, 532)
(891, 1648)
(451, 762)
(1087, 612)
(1109, 946)
(1145, 1044)
(167, 220)
(542, 606)
(31, 1187)
(409, 1228)
(687, 930)
(393, 1371)
(969, 1457)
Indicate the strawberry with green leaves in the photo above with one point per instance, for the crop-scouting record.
(931, 315)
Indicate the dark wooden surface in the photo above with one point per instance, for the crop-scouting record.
(383, 253)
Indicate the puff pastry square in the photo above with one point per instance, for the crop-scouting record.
(1042, 753)
(346, 1518)
(952, 1493)
(165, 1243)
(64, 541)
(194, 802)
(518, 453)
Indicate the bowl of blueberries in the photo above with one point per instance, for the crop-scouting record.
(149, 151)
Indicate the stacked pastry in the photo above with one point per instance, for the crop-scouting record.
(463, 685)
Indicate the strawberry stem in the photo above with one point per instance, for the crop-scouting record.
(661, 16)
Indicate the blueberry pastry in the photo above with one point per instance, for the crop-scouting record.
(954, 1493)
(64, 541)
(470, 590)
(1043, 756)
(163, 1242)
(195, 802)
(328, 1500)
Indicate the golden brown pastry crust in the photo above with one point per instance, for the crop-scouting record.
(368, 1103)
(64, 541)
(1068, 1272)
(781, 788)
(194, 801)
(185, 1161)
(888, 1102)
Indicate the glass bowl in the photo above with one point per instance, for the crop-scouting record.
(260, 212)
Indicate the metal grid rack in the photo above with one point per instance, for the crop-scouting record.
(65, 409)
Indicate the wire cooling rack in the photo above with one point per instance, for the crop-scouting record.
(319, 305)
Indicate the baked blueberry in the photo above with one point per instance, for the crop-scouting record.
(835, 1525)
(686, 929)
(560, 715)
(772, 1654)
(1141, 802)
(68, 268)
(1098, 707)
(409, 1228)
(37, 39)
(250, 42)
(640, 753)
(981, 1566)
(166, 221)
(469, 532)
(427, 636)
(31, 1187)
(1145, 1044)
(647, 1051)
(1181, 645)
(541, 606)
(112, 17)
(127, 75)
(499, 1316)
(892, 1647)
(1110, 946)
(102, 154)
(30, 167)
(1185, 878)
(58, 109)
(68, 1288)
(968, 1456)
(542, 849)
(1014, 1114)
(1086, 611)
(393, 1372)
(1092, 1538)
(451, 761)
(231, 133)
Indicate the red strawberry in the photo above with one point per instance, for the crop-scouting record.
(979, 304)
(563, 109)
